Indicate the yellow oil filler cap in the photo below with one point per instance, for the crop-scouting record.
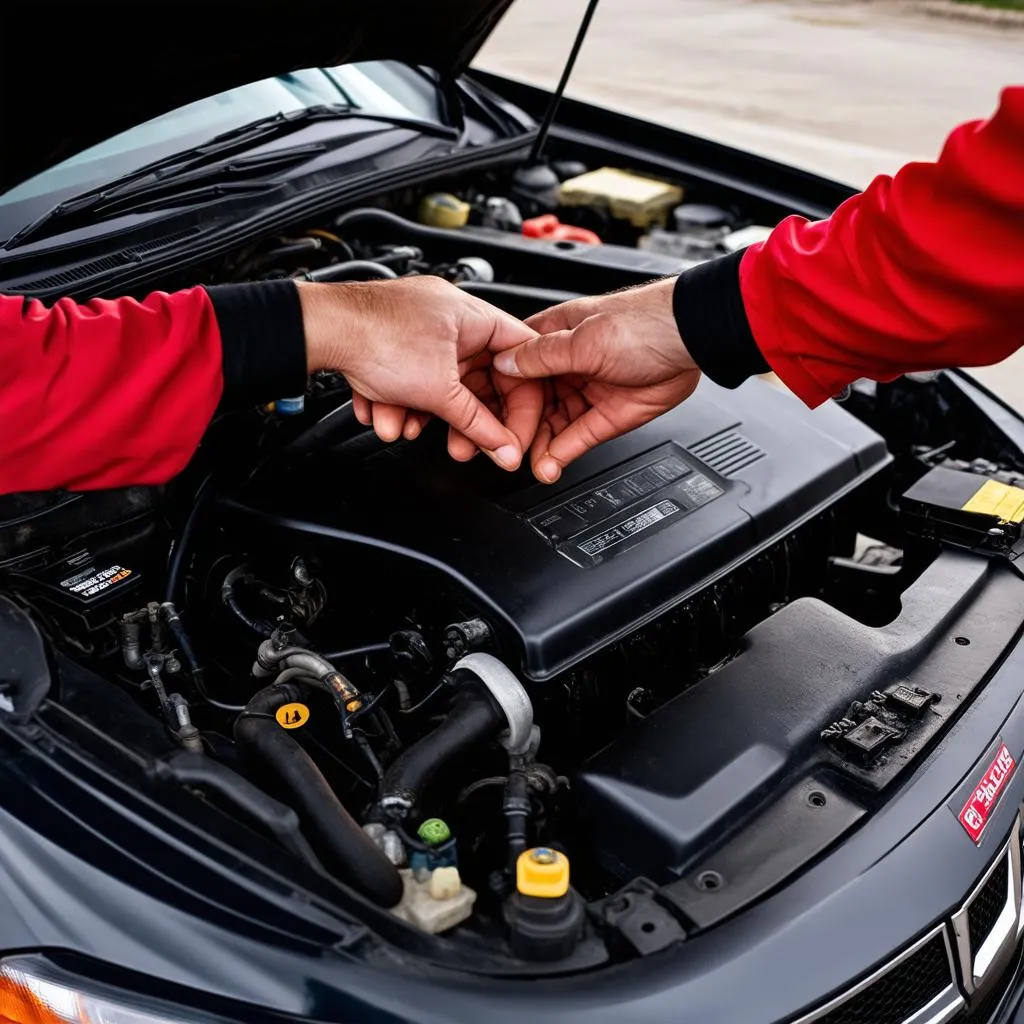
(292, 716)
(542, 872)
(443, 210)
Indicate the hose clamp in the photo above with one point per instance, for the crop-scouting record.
(508, 694)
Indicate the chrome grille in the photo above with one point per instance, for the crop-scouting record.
(917, 987)
(922, 984)
(988, 905)
(986, 926)
(901, 991)
(982, 1012)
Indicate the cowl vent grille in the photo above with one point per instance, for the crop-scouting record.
(126, 257)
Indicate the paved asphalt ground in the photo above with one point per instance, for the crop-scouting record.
(847, 88)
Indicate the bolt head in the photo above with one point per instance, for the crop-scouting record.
(542, 855)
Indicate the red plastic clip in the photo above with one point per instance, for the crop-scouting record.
(550, 228)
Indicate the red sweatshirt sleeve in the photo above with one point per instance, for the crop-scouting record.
(921, 271)
(118, 392)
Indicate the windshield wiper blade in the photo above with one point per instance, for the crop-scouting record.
(225, 144)
(111, 200)
(208, 157)
(232, 176)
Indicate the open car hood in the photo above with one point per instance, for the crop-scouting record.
(76, 74)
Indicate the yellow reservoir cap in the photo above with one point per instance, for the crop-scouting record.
(542, 872)
(443, 210)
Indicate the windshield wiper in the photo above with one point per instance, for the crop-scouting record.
(178, 172)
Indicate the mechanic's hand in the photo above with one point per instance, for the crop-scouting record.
(615, 362)
(405, 346)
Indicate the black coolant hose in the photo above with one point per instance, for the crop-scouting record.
(229, 599)
(475, 717)
(346, 850)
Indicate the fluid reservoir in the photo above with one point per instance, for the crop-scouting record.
(632, 197)
(443, 210)
(545, 916)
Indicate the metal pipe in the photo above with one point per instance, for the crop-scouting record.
(349, 270)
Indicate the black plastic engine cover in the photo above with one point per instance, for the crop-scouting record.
(633, 528)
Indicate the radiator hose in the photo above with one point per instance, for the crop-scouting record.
(347, 851)
(491, 704)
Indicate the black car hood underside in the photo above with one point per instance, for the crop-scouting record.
(76, 74)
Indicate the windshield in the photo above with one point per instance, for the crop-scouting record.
(384, 88)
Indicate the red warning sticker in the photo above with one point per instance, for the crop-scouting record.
(974, 817)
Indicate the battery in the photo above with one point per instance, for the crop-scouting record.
(965, 509)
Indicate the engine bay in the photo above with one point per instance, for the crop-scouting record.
(487, 707)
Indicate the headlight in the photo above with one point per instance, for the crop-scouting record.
(29, 996)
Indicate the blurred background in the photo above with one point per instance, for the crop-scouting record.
(846, 88)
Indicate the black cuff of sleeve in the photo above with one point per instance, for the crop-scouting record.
(712, 322)
(262, 340)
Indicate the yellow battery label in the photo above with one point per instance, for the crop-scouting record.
(996, 499)
(292, 716)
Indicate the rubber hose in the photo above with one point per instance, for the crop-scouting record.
(348, 851)
(517, 813)
(298, 247)
(474, 718)
(177, 567)
(229, 599)
(189, 654)
(349, 270)
(131, 645)
(177, 628)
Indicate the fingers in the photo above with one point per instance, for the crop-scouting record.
(508, 332)
(563, 317)
(460, 448)
(388, 421)
(471, 418)
(482, 327)
(523, 405)
(582, 434)
(545, 469)
(363, 409)
(414, 424)
(518, 403)
(478, 379)
(545, 356)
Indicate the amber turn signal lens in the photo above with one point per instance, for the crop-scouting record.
(19, 1005)
(26, 998)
